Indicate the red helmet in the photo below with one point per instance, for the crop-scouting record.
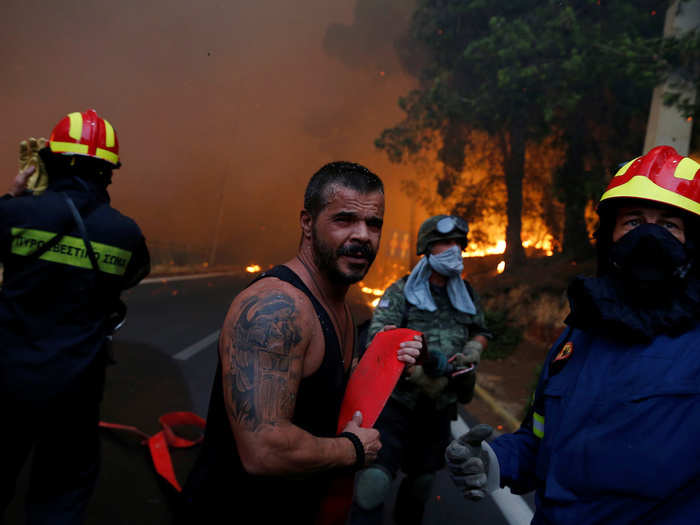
(662, 175)
(85, 134)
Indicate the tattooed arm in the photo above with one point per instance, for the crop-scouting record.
(264, 343)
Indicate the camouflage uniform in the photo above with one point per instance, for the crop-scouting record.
(415, 423)
(445, 330)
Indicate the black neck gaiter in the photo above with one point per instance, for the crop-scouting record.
(647, 291)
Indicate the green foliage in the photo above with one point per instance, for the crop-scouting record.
(581, 70)
(507, 335)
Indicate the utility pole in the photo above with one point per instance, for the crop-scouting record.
(217, 228)
(666, 125)
(412, 257)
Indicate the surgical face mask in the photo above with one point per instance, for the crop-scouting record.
(649, 256)
(447, 263)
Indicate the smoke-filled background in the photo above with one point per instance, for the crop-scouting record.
(220, 107)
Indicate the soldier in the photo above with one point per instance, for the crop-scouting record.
(415, 423)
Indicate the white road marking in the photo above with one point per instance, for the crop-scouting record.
(515, 509)
(175, 278)
(194, 349)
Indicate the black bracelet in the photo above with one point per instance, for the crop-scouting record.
(359, 449)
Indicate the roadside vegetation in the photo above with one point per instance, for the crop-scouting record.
(525, 310)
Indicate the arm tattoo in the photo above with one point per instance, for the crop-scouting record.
(262, 360)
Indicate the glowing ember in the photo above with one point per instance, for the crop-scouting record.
(375, 294)
(546, 245)
(501, 266)
(253, 268)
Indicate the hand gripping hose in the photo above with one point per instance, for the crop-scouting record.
(368, 390)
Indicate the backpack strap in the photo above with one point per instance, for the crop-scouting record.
(83, 231)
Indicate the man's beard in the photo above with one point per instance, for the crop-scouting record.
(326, 260)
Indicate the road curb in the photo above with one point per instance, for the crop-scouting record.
(511, 421)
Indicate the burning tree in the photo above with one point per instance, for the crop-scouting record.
(520, 73)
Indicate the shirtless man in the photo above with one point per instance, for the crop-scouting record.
(286, 350)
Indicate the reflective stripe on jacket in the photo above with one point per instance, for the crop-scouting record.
(615, 438)
(53, 309)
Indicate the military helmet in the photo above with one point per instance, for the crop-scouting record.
(440, 228)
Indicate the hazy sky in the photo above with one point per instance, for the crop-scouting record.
(211, 100)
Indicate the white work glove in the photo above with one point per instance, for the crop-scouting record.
(473, 464)
(471, 353)
(464, 376)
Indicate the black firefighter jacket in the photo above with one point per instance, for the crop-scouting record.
(55, 309)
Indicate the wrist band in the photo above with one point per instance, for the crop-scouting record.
(359, 449)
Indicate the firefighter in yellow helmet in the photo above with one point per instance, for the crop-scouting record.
(67, 255)
(612, 434)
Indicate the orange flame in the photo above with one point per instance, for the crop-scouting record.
(375, 294)
(546, 245)
(372, 291)
(472, 250)
(253, 268)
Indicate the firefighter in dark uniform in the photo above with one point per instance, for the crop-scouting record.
(67, 255)
(612, 435)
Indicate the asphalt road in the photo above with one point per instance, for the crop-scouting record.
(166, 355)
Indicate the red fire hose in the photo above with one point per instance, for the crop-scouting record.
(160, 442)
(368, 390)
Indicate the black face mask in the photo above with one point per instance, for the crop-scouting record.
(649, 257)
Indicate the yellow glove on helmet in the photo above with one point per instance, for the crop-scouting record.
(29, 156)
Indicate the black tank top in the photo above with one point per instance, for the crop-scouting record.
(218, 486)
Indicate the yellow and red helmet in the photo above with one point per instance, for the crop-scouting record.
(662, 175)
(85, 134)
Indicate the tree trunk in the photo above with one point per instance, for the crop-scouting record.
(576, 244)
(514, 169)
(572, 181)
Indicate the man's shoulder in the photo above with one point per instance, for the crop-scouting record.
(112, 214)
(273, 292)
(393, 298)
(32, 211)
(28, 200)
(270, 309)
(108, 225)
(398, 285)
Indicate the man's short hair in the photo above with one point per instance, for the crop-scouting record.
(346, 174)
